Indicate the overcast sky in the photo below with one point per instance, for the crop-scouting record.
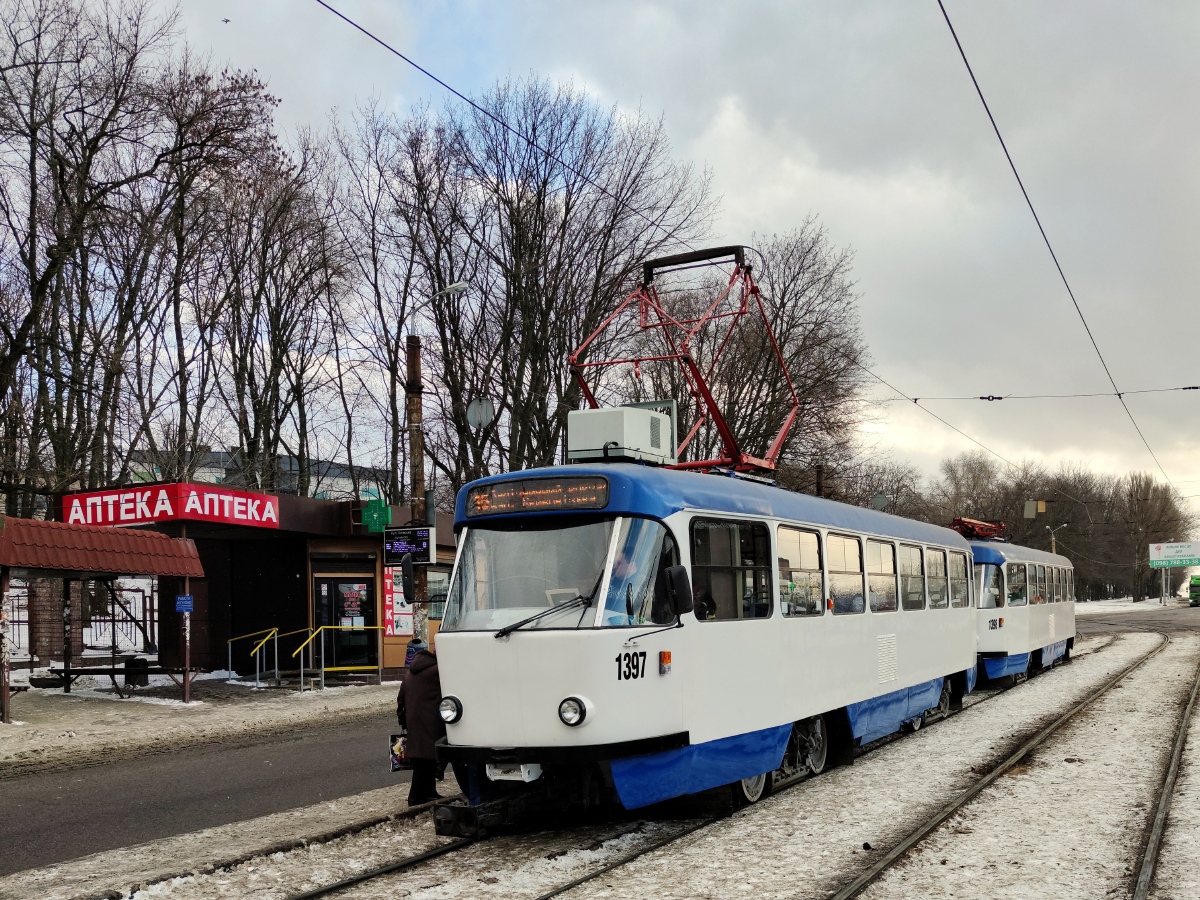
(863, 114)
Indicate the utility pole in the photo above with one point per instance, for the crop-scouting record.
(5, 712)
(416, 467)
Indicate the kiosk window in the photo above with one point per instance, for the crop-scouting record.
(912, 578)
(845, 574)
(881, 576)
(801, 592)
(731, 569)
(938, 598)
(960, 589)
(1018, 590)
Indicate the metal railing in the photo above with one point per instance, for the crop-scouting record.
(270, 633)
(378, 667)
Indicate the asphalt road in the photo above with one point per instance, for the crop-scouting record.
(1154, 618)
(58, 816)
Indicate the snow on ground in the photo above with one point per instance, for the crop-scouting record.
(510, 866)
(91, 725)
(1069, 820)
(810, 840)
(1178, 875)
(120, 870)
(806, 840)
(1124, 605)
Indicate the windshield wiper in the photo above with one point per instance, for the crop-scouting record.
(577, 600)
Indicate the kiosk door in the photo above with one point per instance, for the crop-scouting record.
(348, 602)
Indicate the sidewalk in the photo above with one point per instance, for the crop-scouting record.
(91, 725)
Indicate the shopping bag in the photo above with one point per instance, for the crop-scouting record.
(399, 752)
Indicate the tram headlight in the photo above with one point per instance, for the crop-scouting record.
(450, 710)
(572, 711)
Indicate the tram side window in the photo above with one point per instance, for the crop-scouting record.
(912, 578)
(801, 592)
(960, 588)
(731, 569)
(988, 579)
(1070, 586)
(1058, 586)
(1040, 593)
(881, 576)
(936, 567)
(844, 555)
(1018, 590)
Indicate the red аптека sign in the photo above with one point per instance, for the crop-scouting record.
(171, 502)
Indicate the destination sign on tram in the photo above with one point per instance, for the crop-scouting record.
(538, 495)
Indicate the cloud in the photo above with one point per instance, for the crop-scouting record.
(863, 113)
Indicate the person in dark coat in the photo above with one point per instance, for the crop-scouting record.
(417, 712)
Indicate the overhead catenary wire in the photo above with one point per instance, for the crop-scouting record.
(994, 397)
(535, 145)
(501, 122)
(1045, 238)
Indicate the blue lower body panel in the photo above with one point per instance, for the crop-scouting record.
(880, 716)
(999, 666)
(1053, 652)
(642, 780)
(972, 677)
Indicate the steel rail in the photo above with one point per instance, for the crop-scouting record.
(1154, 843)
(934, 821)
(407, 863)
(628, 858)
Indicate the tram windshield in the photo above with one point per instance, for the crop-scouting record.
(988, 578)
(544, 572)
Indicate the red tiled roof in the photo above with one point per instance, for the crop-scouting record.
(95, 550)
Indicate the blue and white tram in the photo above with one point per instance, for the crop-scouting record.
(628, 633)
(1026, 608)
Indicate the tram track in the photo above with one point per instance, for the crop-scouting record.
(935, 821)
(657, 844)
(1150, 853)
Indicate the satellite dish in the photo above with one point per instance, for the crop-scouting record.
(480, 413)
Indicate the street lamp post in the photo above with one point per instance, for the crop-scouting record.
(1053, 545)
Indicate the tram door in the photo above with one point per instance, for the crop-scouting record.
(348, 603)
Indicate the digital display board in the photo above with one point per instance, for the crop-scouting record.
(538, 495)
(420, 542)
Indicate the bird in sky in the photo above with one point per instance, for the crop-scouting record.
(226, 21)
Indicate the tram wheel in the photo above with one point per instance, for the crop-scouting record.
(915, 724)
(750, 790)
(816, 735)
(942, 710)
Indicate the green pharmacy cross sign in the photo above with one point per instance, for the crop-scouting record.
(1174, 556)
(376, 515)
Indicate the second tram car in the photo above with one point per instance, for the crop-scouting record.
(618, 632)
(1026, 608)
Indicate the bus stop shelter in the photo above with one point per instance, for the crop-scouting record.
(71, 552)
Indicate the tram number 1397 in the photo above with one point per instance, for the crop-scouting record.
(631, 666)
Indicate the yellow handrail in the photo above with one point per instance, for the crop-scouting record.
(297, 631)
(272, 632)
(250, 635)
(338, 628)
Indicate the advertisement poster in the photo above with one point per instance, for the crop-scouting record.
(352, 597)
(397, 614)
